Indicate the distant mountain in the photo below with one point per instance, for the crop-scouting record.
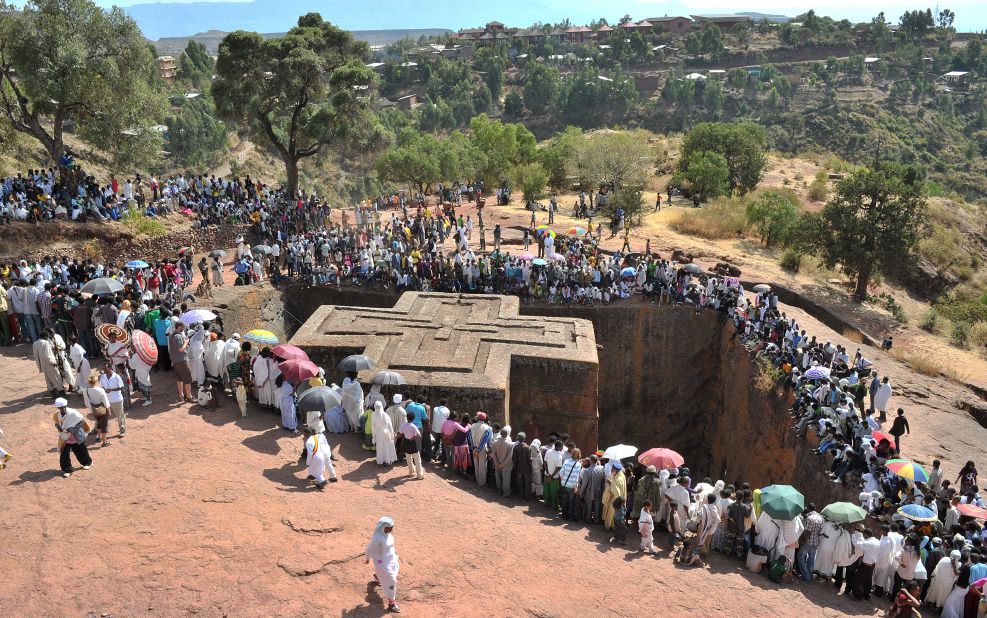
(158, 20)
(781, 19)
(211, 39)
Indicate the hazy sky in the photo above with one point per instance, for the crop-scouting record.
(971, 15)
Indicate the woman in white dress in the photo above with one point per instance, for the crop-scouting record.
(827, 545)
(289, 420)
(381, 553)
(383, 436)
(352, 400)
(197, 355)
(264, 378)
(943, 577)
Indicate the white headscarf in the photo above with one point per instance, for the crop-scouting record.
(378, 542)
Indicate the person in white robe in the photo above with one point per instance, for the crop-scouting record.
(142, 371)
(80, 365)
(230, 352)
(352, 400)
(264, 379)
(680, 496)
(373, 396)
(197, 355)
(289, 420)
(824, 553)
(48, 365)
(788, 539)
(214, 359)
(383, 436)
(767, 530)
(397, 412)
(943, 579)
(319, 459)
(709, 521)
(381, 553)
(887, 560)
(62, 354)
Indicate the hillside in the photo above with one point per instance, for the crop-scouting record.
(212, 38)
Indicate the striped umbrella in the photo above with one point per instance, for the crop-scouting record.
(577, 231)
(137, 264)
(145, 347)
(106, 329)
(908, 470)
(261, 336)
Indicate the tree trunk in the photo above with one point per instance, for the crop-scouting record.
(57, 146)
(863, 280)
(291, 164)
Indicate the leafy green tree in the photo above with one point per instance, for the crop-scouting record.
(416, 160)
(713, 41)
(742, 144)
(492, 63)
(195, 135)
(556, 155)
(503, 146)
(513, 105)
(541, 88)
(531, 179)
(299, 93)
(630, 198)
(614, 159)
(872, 222)
(75, 61)
(708, 174)
(774, 213)
(945, 18)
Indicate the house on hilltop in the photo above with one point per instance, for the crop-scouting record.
(167, 70)
(726, 23)
(672, 25)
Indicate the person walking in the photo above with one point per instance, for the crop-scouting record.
(899, 428)
(882, 397)
(112, 383)
(411, 446)
(318, 458)
(178, 345)
(381, 552)
(73, 430)
(646, 528)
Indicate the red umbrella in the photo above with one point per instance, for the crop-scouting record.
(661, 458)
(289, 352)
(298, 369)
(972, 510)
(145, 347)
(877, 436)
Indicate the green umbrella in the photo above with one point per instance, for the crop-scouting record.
(844, 513)
(782, 501)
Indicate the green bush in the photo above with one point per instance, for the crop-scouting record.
(818, 190)
(961, 334)
(143, 225)
(931, 321)
(791, 260)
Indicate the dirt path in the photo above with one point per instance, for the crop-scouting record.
(208, 514)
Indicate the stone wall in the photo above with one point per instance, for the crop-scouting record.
(152, 249)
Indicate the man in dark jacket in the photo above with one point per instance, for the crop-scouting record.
(521, 457)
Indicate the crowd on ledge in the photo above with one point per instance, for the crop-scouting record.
(940, 561)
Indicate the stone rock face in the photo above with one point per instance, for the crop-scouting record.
(924, 278)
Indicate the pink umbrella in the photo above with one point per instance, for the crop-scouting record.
(877, 436)
(972, 510)
(297, 370)
(526, 256)
(661, 458)
(289, 352)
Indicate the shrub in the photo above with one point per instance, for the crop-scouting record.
(961, 334)
(774, 213)
(818, 190)
(978, 335)
(791, 260)
(142, 225)
(931, 322)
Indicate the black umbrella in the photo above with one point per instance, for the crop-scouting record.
(217, 253)
(694, 269)
(318, 399)
(103, 285)
(388, 378)
(355, 362)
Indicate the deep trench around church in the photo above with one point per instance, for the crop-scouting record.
(667, 377)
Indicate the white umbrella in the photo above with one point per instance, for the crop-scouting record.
(620, 451)
(817, 373)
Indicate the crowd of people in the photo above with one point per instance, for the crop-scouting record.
(841, 399)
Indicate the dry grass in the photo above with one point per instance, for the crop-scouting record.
(719, 220)
(918, 363)
(853, 335)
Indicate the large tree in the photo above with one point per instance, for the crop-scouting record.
(742, 144)
(300, 93)
(69, 60)
(416, 159)
(708, 174)
(872, 223)
(614, 159)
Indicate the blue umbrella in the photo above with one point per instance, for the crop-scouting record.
(538, 262)
(629, 271)
(240, 267)
(137, 264)
(917, 512)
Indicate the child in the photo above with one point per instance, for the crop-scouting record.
(205, 397)
(241, 396)
(688, 554)
(674, 523)
(646, 528)
(4, 455)
(619, 519)
(99, 407)
(778, 570)
(905, 603)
